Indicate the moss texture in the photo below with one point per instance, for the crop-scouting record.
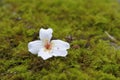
(82, 23)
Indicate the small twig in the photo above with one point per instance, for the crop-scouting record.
(111, 37)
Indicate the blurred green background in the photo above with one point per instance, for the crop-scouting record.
(93, 55)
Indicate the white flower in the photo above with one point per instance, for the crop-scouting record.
(46, 48)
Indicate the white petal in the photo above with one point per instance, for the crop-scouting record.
(44, 54)
(45, 34)
(62, 53)
(60, 45)
(34, 46)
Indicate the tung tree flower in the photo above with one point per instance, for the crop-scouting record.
(46, 48)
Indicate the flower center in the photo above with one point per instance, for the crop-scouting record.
(48, 46)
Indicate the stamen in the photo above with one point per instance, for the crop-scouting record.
(48, 46)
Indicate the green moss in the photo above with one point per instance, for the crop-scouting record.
(82, 23)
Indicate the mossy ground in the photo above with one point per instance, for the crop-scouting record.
(82, 23)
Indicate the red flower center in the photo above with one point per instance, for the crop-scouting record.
(48, 46)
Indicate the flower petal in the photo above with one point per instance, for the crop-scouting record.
(45, 34)
(34, 46)
(62, 53)
(45, 54)
(60, 45)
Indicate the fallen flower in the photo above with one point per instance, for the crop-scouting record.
(46, 48)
